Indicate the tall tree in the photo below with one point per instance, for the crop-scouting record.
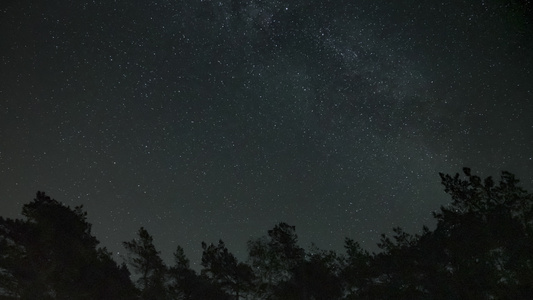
(396, 272)
(185, 284)
(145, 261)
(481, 248)
(316, 277)
(356, 271)
(273, 258)
(52, 255)
(223, 268)
(488, 229)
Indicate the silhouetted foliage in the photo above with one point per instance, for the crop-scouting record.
(145, 261)
(356, 272)
(185, 284)
(487, 231)
(222, 267)
(180, 276)
(481, 248)
(52, 255)
(273, 258)
(316, 277)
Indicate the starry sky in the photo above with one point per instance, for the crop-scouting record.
(202, 120)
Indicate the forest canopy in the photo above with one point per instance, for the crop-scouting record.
(480, 248)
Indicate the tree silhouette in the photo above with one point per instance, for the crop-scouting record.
(180, 275)
(145, 261)
(316, 277)
(222, 267)
(273, 258)
(356, 273)
(488, 233)
(185, 284)
(53, 255)
(480, 248)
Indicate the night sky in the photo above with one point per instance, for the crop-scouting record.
(207, 120)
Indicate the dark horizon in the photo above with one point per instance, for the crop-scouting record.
(480, 248)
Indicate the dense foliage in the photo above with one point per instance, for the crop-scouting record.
(481, 248)
(52, 255)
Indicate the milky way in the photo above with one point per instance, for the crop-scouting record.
(202, 120)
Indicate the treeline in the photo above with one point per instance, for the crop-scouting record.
(481, 248)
